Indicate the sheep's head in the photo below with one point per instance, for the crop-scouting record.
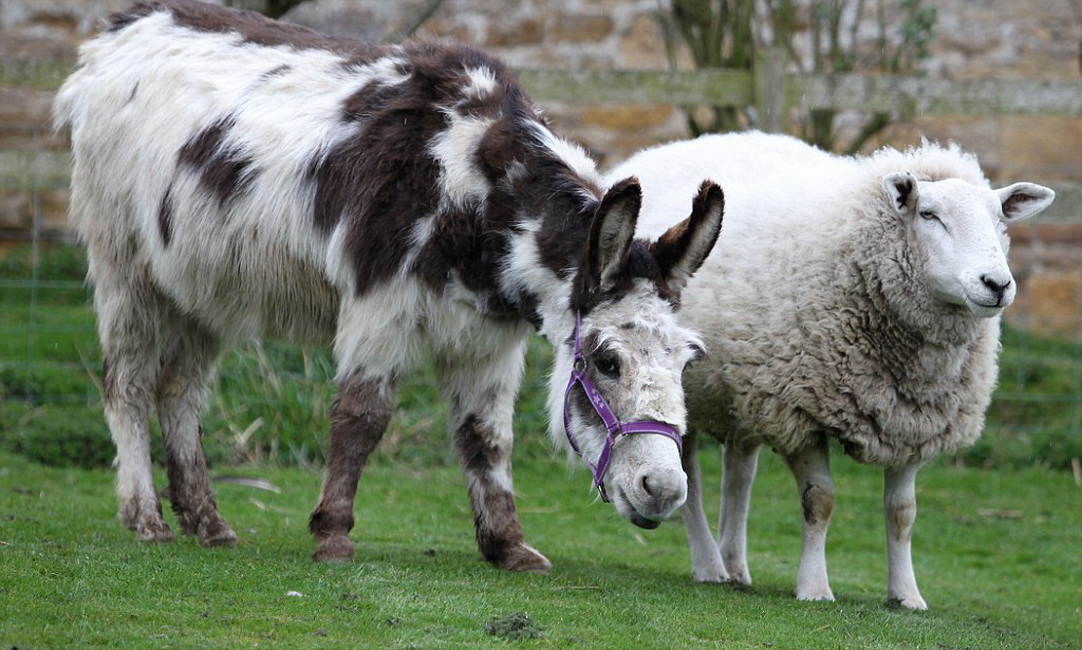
(960, 231)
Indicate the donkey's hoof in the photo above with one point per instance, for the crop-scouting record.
(334, 548)
(217, 533)
(153, 531)
(524, 558)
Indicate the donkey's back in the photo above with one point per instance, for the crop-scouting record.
(250, 170)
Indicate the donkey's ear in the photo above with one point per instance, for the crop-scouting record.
(683, 248)
(611, 233)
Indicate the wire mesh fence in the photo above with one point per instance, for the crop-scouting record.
(49, 356)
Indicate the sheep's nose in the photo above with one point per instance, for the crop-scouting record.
(996, 285)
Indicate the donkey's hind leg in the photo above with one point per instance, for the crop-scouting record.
(131, 316)
(360, 415)
(188, 368)
(482, 393)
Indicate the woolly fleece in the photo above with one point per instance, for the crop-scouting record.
(812, 305)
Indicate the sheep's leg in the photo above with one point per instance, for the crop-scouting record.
(360, 415)
(187, 371)
(706, 563)
(130, 320)
(900, 509)
(741, 461)
(482, 397)
(811, 469)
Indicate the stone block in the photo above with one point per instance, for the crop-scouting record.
(1050, 304)
(528, 31)
(642, 45)
(1045, 147)
(582, 29)
(626, 118)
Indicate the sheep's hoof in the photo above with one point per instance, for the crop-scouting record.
(710, 574)
(333, 548)
(740, 576)
(813, 595)
(909, 602)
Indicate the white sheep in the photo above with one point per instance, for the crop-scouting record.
(853, 299)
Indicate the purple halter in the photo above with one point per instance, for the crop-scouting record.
(615, 428)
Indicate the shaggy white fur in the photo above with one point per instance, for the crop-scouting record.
(853, 299)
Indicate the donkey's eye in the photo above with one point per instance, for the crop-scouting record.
(697, 353)
(608, 364)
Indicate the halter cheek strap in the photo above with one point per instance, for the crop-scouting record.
(613, 426)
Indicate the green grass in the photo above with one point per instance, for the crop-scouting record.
(996, 554)
(996, 551)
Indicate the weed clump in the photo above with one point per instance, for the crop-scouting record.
(514, 627)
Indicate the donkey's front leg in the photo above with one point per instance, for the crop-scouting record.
(362, 409)
(482, 400)
(484, 448)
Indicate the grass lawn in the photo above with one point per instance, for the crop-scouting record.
(997, 554)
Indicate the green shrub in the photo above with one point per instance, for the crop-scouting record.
(55, 262)
(59, 436)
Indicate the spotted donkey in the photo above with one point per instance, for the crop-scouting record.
(237, 178)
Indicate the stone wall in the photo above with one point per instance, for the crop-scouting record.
(1038, 39)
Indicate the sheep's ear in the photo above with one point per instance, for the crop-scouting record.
(902, 189)
(1023, 200)
(683, 248)
(611, 233)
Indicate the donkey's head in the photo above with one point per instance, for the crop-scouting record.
(616, 394)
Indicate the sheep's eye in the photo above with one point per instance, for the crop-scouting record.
(608, 364)
(928, 215)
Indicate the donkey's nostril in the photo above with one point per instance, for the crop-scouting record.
(646, 485)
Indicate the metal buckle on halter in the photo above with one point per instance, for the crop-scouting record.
(613, 426)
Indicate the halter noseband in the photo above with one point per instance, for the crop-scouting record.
(614, 427)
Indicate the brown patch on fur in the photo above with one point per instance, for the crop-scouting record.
(359, 416)
(165, 218)
(224, 172)
(253, 27)
(817, 503)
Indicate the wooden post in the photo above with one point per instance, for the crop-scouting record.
(770, 105)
